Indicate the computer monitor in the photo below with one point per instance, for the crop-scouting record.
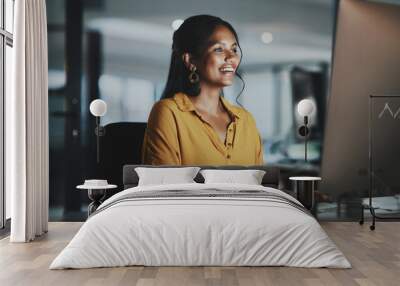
(366, 61)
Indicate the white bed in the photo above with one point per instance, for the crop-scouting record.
(249, 225)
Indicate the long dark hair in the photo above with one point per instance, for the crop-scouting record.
(192, 37)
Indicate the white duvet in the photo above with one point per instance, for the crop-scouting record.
(200, 231)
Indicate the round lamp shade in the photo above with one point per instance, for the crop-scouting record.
(305, 107)
(98, 107)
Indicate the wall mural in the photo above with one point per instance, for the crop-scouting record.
(155, 72)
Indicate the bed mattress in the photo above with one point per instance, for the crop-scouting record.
(201, 225)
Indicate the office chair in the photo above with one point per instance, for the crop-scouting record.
(120, 145)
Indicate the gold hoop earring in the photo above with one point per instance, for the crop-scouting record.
(193, 76)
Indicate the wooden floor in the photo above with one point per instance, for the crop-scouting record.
(375, 257)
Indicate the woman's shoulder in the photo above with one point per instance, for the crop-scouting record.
(245, 114)
(165, 104)
(178, 103)
(162, 111)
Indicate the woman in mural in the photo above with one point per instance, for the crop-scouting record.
(193, 124)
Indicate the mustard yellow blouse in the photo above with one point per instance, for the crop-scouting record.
(177, 135)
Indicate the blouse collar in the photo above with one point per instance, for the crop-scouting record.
(185, 104)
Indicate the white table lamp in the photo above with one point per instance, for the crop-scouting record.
(98, 108)
(305, 108)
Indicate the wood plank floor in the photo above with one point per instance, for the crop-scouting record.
(375, 257)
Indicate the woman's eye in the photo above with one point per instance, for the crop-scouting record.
(235, 50)
(218, 49)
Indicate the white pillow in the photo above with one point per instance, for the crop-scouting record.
(248, 177)
(162, 176)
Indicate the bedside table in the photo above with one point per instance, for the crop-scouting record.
(96, 194)
(304, 190)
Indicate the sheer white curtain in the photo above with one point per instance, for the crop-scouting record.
(27, 171)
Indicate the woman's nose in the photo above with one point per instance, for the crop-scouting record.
(229, 55)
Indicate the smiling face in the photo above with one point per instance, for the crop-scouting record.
(220, 59)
